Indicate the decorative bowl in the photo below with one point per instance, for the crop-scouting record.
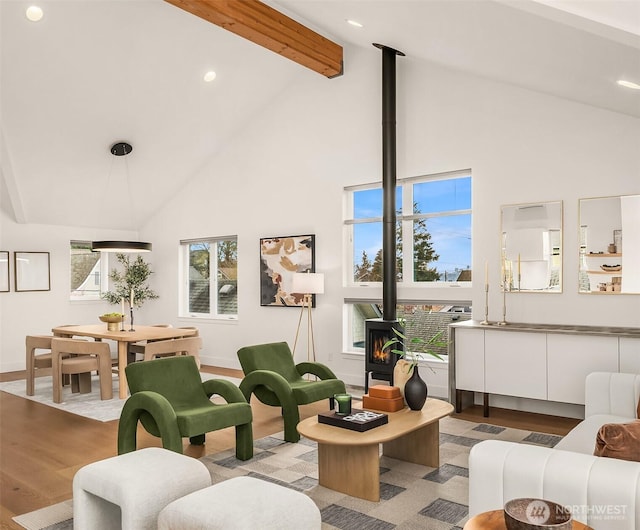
(111, 318)
(112, 321)
(536, 514)
(611, 268)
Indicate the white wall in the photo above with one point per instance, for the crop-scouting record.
(33, 313)
(284, 175)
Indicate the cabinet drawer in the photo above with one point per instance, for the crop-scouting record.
(469, 348)
(571, 358)
(629, 355)
(516, 364)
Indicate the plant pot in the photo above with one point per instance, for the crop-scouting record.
(415, 391)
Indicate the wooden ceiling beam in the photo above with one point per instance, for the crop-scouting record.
(271, 29)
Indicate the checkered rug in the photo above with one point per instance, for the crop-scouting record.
(412, 496)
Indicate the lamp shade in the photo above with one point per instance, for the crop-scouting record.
(121, 246)
(308, 283)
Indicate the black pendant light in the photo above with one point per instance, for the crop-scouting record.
(121, 149)
(121, 246)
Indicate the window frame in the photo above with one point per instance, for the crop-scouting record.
(405, 188)
(103, 271)
(183, 271)
(349, 317)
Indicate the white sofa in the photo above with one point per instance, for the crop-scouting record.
(601, 492)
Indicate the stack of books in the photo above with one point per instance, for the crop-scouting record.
(358, 420)
(383, 397)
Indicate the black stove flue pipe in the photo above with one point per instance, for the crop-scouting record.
(389, 289)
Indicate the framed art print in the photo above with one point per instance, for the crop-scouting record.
(280, 258)
(31, 270)
(4, 271)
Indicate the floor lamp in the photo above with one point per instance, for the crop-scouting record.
(307, 283)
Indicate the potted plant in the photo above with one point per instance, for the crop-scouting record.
(415, 348)
(131, 283)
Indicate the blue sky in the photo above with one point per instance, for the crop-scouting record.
(451, 235)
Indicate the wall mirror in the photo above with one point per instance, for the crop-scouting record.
(531, 259)
(610, 245)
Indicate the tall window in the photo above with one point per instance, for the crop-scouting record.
(88, 272)
(210, 277)
(433, 232)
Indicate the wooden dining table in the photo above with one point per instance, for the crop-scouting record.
(123, 338)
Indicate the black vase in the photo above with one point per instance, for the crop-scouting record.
(415, 391)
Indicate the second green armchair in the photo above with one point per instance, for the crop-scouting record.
(272, 375)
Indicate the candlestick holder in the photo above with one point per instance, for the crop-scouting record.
(503, 322)
(486, 322)
(131, 317)
(122, 323)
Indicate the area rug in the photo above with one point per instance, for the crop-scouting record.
(90, 405)
(87, 405)
(412, 496)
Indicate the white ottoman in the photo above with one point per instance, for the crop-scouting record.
(129, 491)
(241, 503)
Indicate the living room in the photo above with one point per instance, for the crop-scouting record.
(290, 148)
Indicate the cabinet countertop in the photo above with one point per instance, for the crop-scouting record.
(551, 328)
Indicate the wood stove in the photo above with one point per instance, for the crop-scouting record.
(379, 363)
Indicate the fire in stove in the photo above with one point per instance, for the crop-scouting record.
(378, 356)
(379, 363)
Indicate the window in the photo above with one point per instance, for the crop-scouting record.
(422, 320)
(433, 232)
(88, 272)
(210, 277)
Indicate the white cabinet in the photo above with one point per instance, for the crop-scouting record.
(515, 364)
(570, 358)
(541, 362)
(469, 369)
(629, 355)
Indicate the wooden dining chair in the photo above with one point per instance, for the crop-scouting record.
(38, 365)
(136, 349)
(80, 357)
(173, 347)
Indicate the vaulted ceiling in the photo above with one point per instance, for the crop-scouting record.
(95, 72)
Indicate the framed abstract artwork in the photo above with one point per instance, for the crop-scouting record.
(280, 259)
(4, 271)
(31, 271)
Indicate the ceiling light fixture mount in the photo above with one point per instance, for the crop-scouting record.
(121, 149)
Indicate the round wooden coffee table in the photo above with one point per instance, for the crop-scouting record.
(494, 520)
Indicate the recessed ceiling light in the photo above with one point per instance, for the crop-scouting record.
(34, 13)
(209, 76)
(354, 23)
(628, 84)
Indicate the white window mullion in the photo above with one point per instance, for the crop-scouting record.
(407, 234)
(213, 278)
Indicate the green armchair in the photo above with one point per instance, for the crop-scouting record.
(171, 401)
(274, 378)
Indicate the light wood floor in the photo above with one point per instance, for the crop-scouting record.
(41, 448)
